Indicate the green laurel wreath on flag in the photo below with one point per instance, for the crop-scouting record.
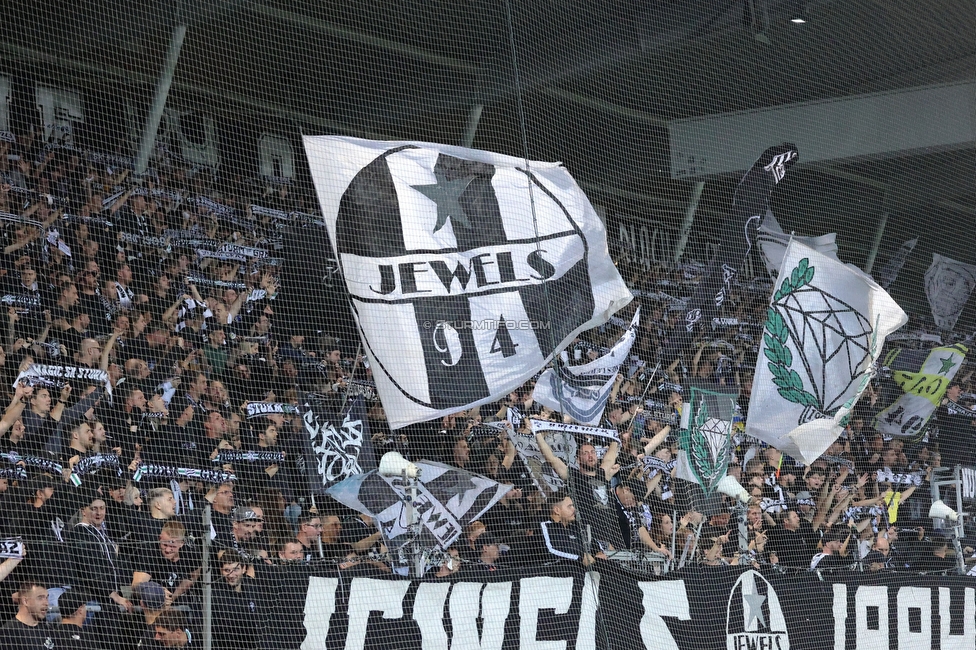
(709, 471)
(777, 335)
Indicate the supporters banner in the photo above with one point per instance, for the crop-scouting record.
(948, 285)
(750, 204)
(825, 328)
(556, 607)
(923, 376)
(467, 270)
(887, 275)
(446, 500)
(706, 437)
(581, 391)
(336, 445)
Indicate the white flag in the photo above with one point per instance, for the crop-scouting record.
(773, 242)
(824, 330)
(467, 270)
(948, 284)
(581, 392)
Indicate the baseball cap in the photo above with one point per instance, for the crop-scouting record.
(71, 600)
(151, 594)
(486, 539)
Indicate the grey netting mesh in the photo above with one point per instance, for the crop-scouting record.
(487, 324)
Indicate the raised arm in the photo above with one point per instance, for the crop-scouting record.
(610, 459)
(561, 469)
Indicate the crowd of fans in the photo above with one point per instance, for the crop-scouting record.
(166, 287)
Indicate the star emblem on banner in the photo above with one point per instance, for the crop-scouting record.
(947, 365)
(446, 194)
(754, 603)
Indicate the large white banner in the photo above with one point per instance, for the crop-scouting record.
(467, 270)
(825, 327)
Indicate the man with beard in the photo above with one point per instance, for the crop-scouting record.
(243, 537)
(562, 537)
(590, 486)
(29, 630)
(236, 605)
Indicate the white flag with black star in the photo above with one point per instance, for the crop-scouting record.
(467, 270)
(825, 328)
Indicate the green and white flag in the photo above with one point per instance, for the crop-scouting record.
(924, 376)
(825, 327)
(706, 437)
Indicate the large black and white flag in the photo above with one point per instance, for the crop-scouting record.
(749, 206)
(467, 270)
(336, 445)
(581, 391)
(824, 331)
(887, 275)
(448, 499)
(948, 284)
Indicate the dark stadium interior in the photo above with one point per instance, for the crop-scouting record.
(602, 86)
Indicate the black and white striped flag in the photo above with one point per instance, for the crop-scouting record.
(467, 270)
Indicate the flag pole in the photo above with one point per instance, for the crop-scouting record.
(319, 538)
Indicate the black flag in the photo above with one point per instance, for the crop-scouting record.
(335, 445)
(738, 233)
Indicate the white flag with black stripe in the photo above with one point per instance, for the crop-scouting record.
(467, 270)
(581, 391)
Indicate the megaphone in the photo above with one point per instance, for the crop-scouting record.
(940, 510)
(731, 487)
(393, 464)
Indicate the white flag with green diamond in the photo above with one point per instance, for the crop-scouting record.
(825, 327)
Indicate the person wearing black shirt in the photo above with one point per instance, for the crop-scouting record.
(834, 554)
(169, 563)
(879, 557)
(28, 630)
(73, 606)
(957, 429)
(791, 546)
(937, 561)
(309, 534)
(95, 556)
(243, 533)
(148, 526)
(221, 520)
(590, 487)
(236, 606)
(562, 538)
(41, 520)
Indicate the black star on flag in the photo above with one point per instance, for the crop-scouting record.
(446, 194)
(452, 317)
